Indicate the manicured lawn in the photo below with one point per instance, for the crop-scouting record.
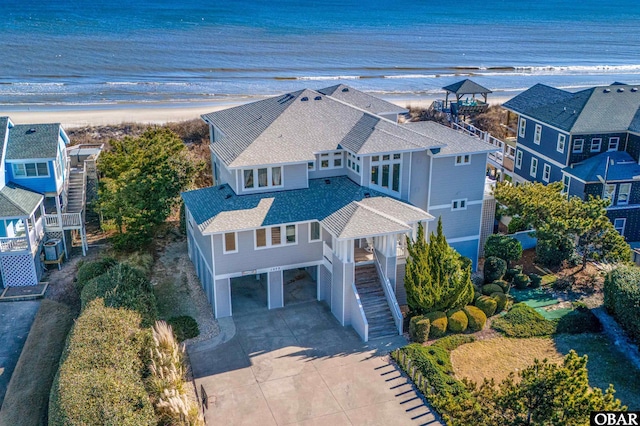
(496, 358)
(27, 398)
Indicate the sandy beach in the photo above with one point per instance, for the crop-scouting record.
(153, 113)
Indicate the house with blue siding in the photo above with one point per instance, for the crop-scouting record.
(41, 201)
(589, 140)
(328, 184)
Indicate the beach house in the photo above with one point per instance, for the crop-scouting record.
(589, 140)
(42, 200)
(315, 192)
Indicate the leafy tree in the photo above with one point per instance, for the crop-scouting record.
(507, 248)
(142, 179)
(436, 277)
(544, 394)
(565, 225)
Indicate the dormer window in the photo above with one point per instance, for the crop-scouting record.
(31, 170)
(331, 160)
(262, 177)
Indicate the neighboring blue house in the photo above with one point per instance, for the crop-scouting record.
(41, 200)
(329, 183)
(589, 140)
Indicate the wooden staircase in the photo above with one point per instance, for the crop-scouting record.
(374, 302)
(76, 191)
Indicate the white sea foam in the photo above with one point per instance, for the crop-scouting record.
(329, 77)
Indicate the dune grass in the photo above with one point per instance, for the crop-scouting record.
(27, 398)
(496, 358)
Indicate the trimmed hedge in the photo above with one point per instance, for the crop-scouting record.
(494, 269)
(123, 286)
(491, 288)
(501, 301)
(622, 298)
(505, 285)
(419, 327)
(504, 247)
(438, 322)
(90, 270)
(477, 318)
(536, 281)
(521, 281)
(99, 381)
(523, 321)
(512, 272)
(457, 322)
(487, 304)
(450, 343)
(581, 320)
(184, 327)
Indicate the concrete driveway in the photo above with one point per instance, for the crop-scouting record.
(298, 366)
(15, 322)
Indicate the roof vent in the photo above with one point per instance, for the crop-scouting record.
(226, 197)
(345, 89)
(31, 130)
(221, 187)
(620, 90)
(317, 98)
(327, 181)
(367, 195)
(564, 109)
(606, 90)
(634, 89)
(305, 99)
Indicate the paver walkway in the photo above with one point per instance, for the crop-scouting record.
(298, 366)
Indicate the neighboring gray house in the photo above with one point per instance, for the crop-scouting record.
(329, 182)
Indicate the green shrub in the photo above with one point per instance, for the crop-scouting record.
(494, 269)
(419, 327)
(453, 341)
(99, 381)
(580, 320)
(487, 304)
(457, 322)
(491, 288)
(512, 272)
(184, 327)
(505, 285)
(140, 260)
(90, 270)
(123, 286)
(506, 248)
(521, 281)
(622, 298)
(477, 318)
(412, 325)
(516, 224)
(501, 301)
(438, 324)
(536, 280)
(553, 253)
(523, 321)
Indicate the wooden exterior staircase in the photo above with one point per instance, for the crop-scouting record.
(374, 303)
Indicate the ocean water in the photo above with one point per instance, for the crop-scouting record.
(119, 51)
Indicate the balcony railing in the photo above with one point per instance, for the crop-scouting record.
(69, 221)
(13, 244)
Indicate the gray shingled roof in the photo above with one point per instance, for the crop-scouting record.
(361, 100)
(33, 141)
(466, 87)
(357, 221)
(292, 128)
(16, 201)
(621, 167)
(600, 109)
(456, 142)
(218, 209)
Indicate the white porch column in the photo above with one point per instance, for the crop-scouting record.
(222, 297)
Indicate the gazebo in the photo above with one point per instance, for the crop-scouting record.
(467, 106)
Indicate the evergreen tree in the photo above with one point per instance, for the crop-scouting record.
(436, 277)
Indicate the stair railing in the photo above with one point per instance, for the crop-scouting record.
(358, 322)
(389, 294)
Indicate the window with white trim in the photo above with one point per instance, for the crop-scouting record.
(566, 181)
(353, 162)
(459, 204)
(623, 194)
(578, 145)
(463, 159)
(537, 135)
(561, 141)
(523, 127)
(533, 170)
(546, 172)
(311, 166)
(230, 242)
(596, 144)
(609, 191)
(518, 159)
(331, 160)
(314, 231)
(619, 224)
(385, 171)
(30, 170)
(274, 236)
(262, 177)
(613, 144)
